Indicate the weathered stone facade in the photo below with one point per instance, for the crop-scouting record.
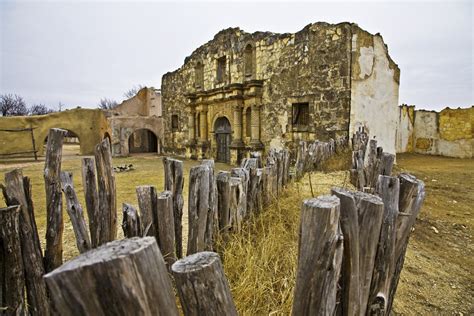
(248, 92)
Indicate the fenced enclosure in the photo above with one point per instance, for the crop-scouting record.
(362, 237)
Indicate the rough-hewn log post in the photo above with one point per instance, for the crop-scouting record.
(92, 198)
(174, 182)
(319, 258)
(165, 226)
(386, 164)
(12, 279)
(74, 209)
(107, 192)
(18, 192)
(53, 255)
(350, 280)
(198, 207)
(223, 200)
(202, 286)
(243, 191)
(131, 225)
(250, 165)
(388, 189)
(237, 203)
(212, 226)
(88, 284)
(146, 196)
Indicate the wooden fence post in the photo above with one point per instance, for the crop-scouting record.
(131, 225)
(146, 196)
(250, 165)
(18, 192)
(91, 196)
(174, 182)
(198, 207)
(243, 191)
(223, 200)
(202, 286)
(319, 259)
(53, 255)
(88, 284)
(12, 279)
(237, 203)
(74, 209)
(164, 223)
(107, 192)
(212, 226)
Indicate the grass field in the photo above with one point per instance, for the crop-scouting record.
(260, 263)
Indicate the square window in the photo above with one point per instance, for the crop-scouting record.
(221, 66)
(300, 116)
(174, 123)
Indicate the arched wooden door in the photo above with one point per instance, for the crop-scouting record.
(222, 131)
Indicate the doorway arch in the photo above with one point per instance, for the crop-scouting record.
(222, 131)
(142, 141)
(72, 145)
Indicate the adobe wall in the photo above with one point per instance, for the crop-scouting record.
(446, 133)
(90, 125)
(147, 102)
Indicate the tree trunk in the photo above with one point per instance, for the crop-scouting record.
(319, 258)
(12, 279)
(202, 286)
(165, 227)
(123, 277)
(107, 192)
(53, 255)
(146, 196)
(74, 209)
(92, 199)
(131, 225)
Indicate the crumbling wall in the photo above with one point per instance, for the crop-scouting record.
(406, 122)
(374, 89)
(89, 125)
(147, 102)
(447, 133)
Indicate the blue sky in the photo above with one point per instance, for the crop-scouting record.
(77, 52)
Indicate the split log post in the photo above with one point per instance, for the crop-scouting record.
(107, 192)
(174, 182)
(165, 227)
(18, 192)
(319, 257)
(53, 255)
(237, 204)
(243, 190)
(202, 285)
(250, 165)
(212, 226)
(412, 195)
(259, 191)
(223, 201)
(131, 225)
(388, 189)
(88, 284)
(267, 181)
(350, 278)
(91, 197)
(370, 214)
(301, 159)
(198, 207)
(257, 155)
(146, 196)
(12, 279)
(74, 209)
(386, 164)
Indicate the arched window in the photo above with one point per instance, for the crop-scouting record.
(248, 122)
(248, 61)
(199, 75)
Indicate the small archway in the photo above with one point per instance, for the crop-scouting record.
(142, 141)
(71, 144)
(222, 131)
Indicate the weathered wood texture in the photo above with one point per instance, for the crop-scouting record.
(18, 192)
(174, 182)
(388, 189)
(53, 255)
(123, 277)
(250, 165)
(164, 223)
(12, 279)
(146, 196)
(131, 225)
(223, 201)
(107, 192)
(202, 286)
(212, 226)
(243, 190)
(74, 209)
(237, 203)
(198, 208)
(319, 258)
(91, 196)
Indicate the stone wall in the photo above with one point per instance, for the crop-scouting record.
(446, 133)
(147, 102)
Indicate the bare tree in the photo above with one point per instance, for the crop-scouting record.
(60, 106)
(107, 104)
(39, 109)
(12, 105)
(133, 91)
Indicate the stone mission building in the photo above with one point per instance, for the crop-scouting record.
(244, 92)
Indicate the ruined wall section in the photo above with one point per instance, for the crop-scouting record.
(374, 89)
(406, 123)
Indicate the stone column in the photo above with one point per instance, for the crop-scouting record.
(203, 125)
(237, 135)
(191, 127)
(255, 127)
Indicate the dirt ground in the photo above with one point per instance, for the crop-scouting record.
(438, 274)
